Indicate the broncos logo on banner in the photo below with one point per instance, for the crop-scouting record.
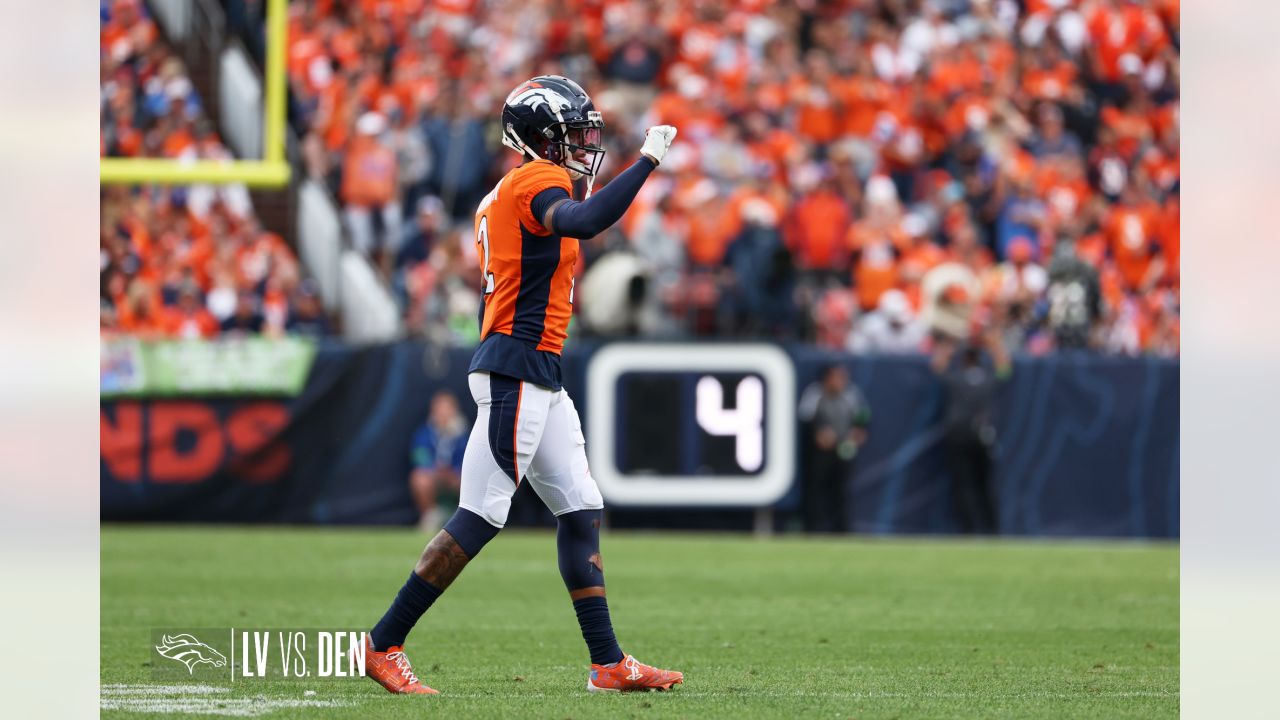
(189, 651)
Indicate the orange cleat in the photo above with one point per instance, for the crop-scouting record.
(630, 675)
(392, 671)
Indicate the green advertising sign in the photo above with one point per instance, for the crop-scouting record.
(245, 366)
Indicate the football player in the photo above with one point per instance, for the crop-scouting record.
(527, 428)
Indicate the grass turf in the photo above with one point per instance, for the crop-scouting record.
(762, 629)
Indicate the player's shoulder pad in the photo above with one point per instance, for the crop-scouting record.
(529, 180)
(534, 177)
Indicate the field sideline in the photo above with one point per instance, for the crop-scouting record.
(789, 627)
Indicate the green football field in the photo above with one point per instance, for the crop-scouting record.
(774, 628)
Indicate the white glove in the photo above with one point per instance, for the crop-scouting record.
(657, 140)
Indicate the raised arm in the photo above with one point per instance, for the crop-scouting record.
(564, 216)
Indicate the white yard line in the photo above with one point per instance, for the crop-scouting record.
(120, 689)
(199, 700)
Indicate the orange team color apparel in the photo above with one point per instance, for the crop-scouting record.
(369, 174)
(1132, 242)
(527, 269)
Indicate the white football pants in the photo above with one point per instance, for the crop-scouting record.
(524, 431)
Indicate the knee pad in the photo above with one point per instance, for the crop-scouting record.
(471, 531)
(578, 547)
(586, 492)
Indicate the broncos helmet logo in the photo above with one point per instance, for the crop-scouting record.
(189, 651)
(538, 95)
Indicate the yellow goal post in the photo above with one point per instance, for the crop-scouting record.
(272, 171)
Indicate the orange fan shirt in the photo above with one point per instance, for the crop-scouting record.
(369, 174)
(710, 232)
(819, 224)
(816, 117)
(1133, 242)
(1049, 84)
(876, 269)
(861, 100)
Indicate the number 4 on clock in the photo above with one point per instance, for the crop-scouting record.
(745, 422)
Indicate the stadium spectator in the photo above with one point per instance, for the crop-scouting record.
(836, 417)
(436, 454)
(1130, 231)
(246, 320)
(1074, 299)
(189, 320)
(420, 248)
(1022, 214)
(370, 191)
(1016, 286)
(815, 233)
(456, 134)
(306, 313)
(890, 328)
(760, 285)
(1052, 140)
(1050, 122)
(181, 262)
(876, 240)
(971, 372)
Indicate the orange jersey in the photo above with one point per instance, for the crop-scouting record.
(526, 269)
(1133, 242)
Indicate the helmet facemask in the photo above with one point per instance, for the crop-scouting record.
(581, 151)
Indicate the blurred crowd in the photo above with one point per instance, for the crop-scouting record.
(856, 173)
(182, 262)
(867, 174)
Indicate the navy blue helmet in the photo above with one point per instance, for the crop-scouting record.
(553, 118)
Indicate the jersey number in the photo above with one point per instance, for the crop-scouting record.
(483, 232)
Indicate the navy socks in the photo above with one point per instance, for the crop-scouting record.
(411, 602)
(578, 545)
(597, 630)
(471, 532)
(417, 595)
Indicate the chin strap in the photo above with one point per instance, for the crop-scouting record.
(577, 175)
(513, 141)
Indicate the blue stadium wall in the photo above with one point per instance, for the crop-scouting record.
(1088, 446)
